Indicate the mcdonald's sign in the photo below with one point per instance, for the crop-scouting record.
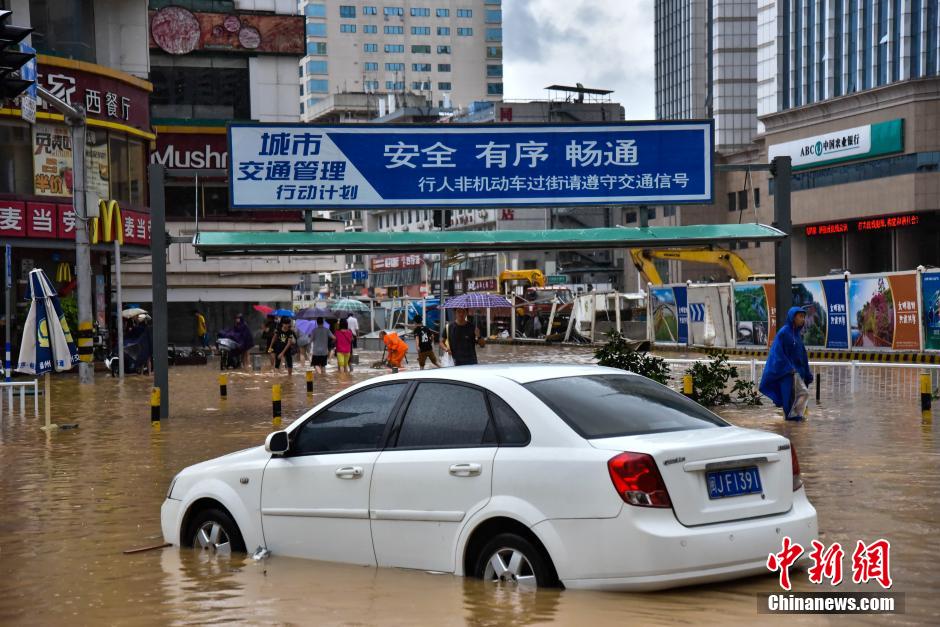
(107, 227)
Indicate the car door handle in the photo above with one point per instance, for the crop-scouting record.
(466, 470)
(349, 472)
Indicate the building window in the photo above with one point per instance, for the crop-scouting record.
(394, 67)
(443, 13)
(371, 66)
(444, 86)
(415, 12)
(443, 67)
(370, 29)
(852, 85)
(370, 47)
(371, 85)
(867, 17)
(315, 10)
(393, 11)
(394, 30)
(370, 11)
(883, 42)
(346, 10)
(420, 30)
(421, 49)
(394, 47)
(395, 85)
(317, 67)
(494, 52)
(494, 34)
(465, 32)
(420, 67)
(810, 51)
(418, 85)
(494, 71)
(443, 31)
(464, 12)
(837, 66)
(494, 89)
(443, 50)
(318, 85)
(915, 38)
(732, 201)
(669, 211)
(494, 16)
(347, 28)
(316, 29)
(316, 48)
(931, 41)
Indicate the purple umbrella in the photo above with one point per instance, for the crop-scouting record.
(312, 313)
(478, 300)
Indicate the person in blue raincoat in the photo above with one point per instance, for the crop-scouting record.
(786, 373)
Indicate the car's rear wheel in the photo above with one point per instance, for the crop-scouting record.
(213, 531)
(512, 560)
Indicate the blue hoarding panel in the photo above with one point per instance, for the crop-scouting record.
(362, 166)
(682, 307)
(838, 335)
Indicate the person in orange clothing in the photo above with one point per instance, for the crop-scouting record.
(396, 348)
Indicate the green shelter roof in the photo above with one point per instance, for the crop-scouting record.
(223, 243)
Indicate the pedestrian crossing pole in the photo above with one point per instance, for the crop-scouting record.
(309, 376)
(155, 409)
(276, 405)
(926, 392)
(223, 386)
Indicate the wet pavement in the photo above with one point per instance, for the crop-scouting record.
(73, 501)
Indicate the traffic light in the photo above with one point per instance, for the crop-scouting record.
(11, 59)
(442, 218)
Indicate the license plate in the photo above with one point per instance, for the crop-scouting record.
(735, 482)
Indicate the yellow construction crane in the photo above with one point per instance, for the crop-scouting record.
(732, 263)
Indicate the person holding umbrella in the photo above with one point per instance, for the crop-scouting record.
(461, 338)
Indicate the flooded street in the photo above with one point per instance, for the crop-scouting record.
(73, 501)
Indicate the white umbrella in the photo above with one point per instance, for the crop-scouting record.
(133, 312)
(47, 344)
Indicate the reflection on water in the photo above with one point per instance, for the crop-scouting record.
(72, 501)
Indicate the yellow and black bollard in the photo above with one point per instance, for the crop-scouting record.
(926, 391)
(223, 385)
(86, 342)
(155, 408)
(309, 382)
(276, 404)
(687, 387)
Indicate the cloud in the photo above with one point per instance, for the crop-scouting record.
(606, 44)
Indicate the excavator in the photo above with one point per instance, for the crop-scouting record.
(732, 263)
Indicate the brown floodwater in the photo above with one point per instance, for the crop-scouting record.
(72, 501)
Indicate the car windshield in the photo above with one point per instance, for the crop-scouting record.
(611, 405)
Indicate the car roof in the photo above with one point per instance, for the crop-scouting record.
(520, 373)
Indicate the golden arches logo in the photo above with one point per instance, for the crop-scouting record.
(107, 227)
(63, 273)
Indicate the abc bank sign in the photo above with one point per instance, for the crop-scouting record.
(196, 150)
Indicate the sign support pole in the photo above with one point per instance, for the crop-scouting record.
(120, 308)
(158, 244)
(781, 170)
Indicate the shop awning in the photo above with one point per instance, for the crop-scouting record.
(223, 243)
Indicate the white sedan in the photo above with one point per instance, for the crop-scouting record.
(583, 476)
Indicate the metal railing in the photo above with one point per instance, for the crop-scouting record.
(11, 387)
(836, 378)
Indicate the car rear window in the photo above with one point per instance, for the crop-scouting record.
(611, 405)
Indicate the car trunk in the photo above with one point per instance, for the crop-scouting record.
(687, 460)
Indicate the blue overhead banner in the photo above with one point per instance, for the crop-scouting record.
(362, 166)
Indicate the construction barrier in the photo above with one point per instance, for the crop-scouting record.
(276, 405)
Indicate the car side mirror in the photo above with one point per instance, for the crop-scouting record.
(277, 443)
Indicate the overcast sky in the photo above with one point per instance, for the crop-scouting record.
(606, 44)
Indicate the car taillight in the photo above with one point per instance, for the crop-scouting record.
(637, 480)
(795, 463)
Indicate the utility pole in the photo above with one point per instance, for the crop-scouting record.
(75, 118)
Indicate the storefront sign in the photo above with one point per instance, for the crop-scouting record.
(302, 165)
(103, 96)
(177, 31)
(930, 289)
(396, 262)
(556, 279)
(669, 314)
(191, 150)
(481, 285)
(41, 220)
(884, 312)
(97, 164)
(860, 142)
(864, 225)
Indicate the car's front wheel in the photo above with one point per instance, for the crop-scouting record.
(213, 530)
(510, 559)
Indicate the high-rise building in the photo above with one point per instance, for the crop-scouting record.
(706, 57)
(450, 51)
